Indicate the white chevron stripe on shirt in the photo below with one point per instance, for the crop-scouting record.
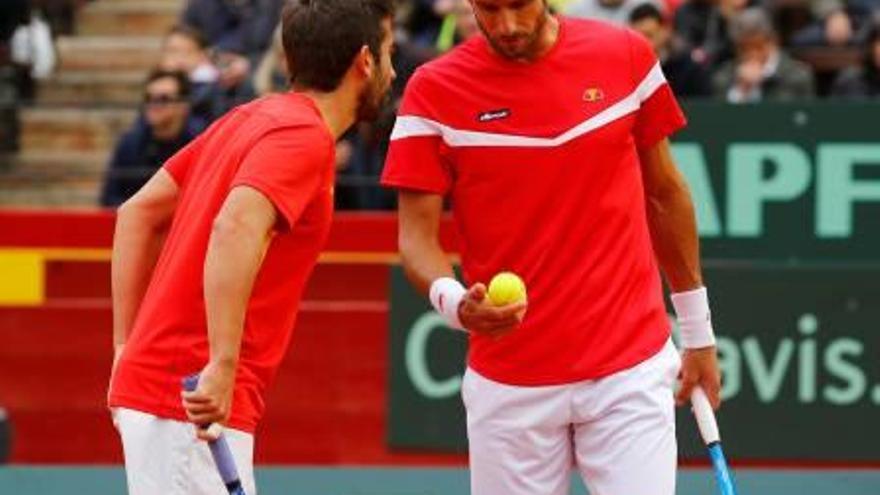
(408, 126)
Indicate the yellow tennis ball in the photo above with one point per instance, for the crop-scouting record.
(506, 288)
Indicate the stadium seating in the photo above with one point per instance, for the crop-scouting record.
(68, 133)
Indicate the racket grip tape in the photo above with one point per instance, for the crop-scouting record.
(705, 417)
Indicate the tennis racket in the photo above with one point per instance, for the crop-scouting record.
(219, 450)
(709, 431)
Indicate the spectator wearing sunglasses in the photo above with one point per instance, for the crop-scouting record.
(164, 126)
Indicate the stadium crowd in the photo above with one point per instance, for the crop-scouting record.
(224, 52)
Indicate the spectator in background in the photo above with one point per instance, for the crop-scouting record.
(13, 13)
(423, 20)
(864, 81)
(272, 75)
(835, 27)
(761, 70)
(687, 78)
(704, 27)
(60, 14)
(164, 127)
(239, 32)
(185, 49)
(458, 26)
(866, 10)
(32, 47)
(613, 11)
(29, 48)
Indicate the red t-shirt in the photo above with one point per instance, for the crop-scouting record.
(280, 146)
(541, 163)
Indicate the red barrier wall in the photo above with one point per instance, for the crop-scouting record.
(327, 406)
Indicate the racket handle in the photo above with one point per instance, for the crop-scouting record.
(705, 416)
(190, 383)
(222, 455)
(220, 450)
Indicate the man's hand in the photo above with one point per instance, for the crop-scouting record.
(211, 402)
(234, 69)
(479, 315)
(749, 75)
(700, 367)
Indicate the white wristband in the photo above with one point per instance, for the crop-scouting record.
(694, 318)
(446, 294)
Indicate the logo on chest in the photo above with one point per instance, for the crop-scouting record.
(592, 95)
(491, 115)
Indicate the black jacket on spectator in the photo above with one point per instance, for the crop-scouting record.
(240, 26)
(13, 13)
(863, 81)
(687, 78)
(702, 28)
(692, 21)
(793, 80)
(857, 83)
(138, 155)
(209, 101)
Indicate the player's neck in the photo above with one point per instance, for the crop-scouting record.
(336, 109)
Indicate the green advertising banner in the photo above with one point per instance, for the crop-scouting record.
(784, 181)
(427, 364)
(798, 348)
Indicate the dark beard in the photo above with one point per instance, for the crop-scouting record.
(529, 51)
(371, 102)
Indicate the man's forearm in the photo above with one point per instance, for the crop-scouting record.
(136, 248)
(673, 228)
(235, 254)
(424, 262)
(419, 240)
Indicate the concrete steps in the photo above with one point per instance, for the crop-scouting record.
(127, 18)
(52, 178)
(64, 153)
(54, 162)
(93, 87)
(40, 195)
(73, 129)
(108, 53)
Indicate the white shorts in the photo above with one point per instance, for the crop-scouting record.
(164, 457)
(619, 431)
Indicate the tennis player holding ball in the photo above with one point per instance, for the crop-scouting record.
(211, 256)
(549, 135)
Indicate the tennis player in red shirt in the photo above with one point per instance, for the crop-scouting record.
(549, 136)
(210, 258)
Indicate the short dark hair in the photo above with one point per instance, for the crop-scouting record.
(322, 37)
(646, 11)
(183, 84)
(752, 21)
(189, 32)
